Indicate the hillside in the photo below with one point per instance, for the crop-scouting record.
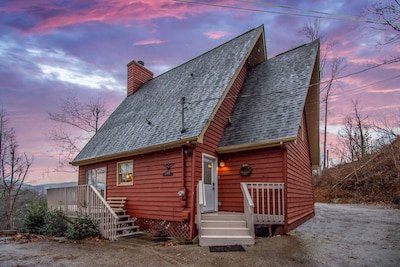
(373, 179)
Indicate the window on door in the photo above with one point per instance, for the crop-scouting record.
(207, 168)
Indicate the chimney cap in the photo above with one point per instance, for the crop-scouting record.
(141, 62)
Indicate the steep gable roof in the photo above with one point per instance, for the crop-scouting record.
(150, 119)
(269, 108)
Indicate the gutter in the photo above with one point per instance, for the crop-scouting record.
(140, 151)
(251, 146)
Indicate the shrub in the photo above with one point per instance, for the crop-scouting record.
(35, 218)
(39, 220)
(81, 228)
(55, 223)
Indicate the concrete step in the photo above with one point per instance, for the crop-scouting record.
(223, 223)
(218, 231)
(223, 229)
(216, 240)
(223, 216)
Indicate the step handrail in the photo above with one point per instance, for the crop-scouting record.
(84, 200)
(248, 206)
(201, 202)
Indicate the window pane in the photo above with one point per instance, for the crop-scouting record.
(207, 168)
(125, 172)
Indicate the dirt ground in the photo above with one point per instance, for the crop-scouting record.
(339, 235)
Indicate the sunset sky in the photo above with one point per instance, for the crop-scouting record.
(52, 49)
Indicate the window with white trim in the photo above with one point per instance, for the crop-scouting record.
(125, 173)
(97, 178)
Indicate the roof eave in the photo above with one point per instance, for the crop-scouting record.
(169, 145)
(258, 145)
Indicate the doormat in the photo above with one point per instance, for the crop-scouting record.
(227, 248)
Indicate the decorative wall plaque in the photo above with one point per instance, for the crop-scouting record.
(168, 167)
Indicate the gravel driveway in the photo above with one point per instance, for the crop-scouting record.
(339, 235)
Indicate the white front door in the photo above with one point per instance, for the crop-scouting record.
(210, 183)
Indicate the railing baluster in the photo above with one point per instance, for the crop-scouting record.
(269, 205)
(85, 200)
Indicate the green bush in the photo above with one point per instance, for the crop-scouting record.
(35, 218)
(81, 228)
(39, 220)
(55, 223)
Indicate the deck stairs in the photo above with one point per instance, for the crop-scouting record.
(125, 225)
(223, 229)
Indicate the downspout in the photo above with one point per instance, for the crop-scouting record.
(183, 167)
(183, 188)
(192, 200)
(285, 187)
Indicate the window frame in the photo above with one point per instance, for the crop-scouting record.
(92, 178)
(120, 182)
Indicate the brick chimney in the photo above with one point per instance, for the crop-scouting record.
(137, 75)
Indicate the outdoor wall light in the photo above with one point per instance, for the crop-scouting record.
(222, 163)
(187, 152)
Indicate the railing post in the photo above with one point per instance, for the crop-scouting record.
(248, 207)
(65, 201)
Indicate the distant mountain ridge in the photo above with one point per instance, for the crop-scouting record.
(41, 188)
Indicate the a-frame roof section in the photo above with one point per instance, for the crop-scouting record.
(151, 118)
(269, 108)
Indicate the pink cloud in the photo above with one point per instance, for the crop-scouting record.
(148, 42)
(216, 34)
(51, 16)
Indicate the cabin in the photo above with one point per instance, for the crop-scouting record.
(217, 147)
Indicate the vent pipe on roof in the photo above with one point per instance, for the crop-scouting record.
(137, 75)
(183, 114)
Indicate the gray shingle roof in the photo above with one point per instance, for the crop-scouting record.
(158, 101)
(272, 99)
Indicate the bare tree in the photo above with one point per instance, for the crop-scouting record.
(77, 122)
(384, 16)
(312, 31)
(336, 66)
(389, 132)
(13, 170)
(355, 136)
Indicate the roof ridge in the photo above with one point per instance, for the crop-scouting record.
(297, 47)
(208, 51)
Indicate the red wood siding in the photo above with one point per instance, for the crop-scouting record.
(217, 126)
(152, 195)
(300, 199)
(267, 166)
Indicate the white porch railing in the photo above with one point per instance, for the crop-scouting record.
(248, 206)
(201, 202)
(84, 200)
(269, 202)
